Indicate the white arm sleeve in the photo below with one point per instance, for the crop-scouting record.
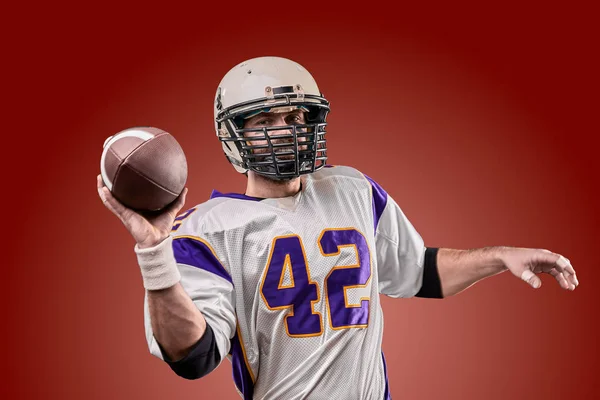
(210, 288)
(400, 253)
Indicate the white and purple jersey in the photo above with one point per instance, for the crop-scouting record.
(291, 286)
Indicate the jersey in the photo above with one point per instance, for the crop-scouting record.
(291, 286)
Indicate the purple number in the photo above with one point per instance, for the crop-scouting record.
(342, 314)
(288, 258)
(179, 220)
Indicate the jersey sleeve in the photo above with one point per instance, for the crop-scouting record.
(209, 285)
(399, 247)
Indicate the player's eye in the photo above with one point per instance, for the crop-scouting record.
(295, 119)
(264, 121)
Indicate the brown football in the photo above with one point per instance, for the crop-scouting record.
(144, 168)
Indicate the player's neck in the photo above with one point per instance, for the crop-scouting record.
(259, 186)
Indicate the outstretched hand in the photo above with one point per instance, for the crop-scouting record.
(147, 230)
(527, 263)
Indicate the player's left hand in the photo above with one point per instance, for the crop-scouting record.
(526, 263)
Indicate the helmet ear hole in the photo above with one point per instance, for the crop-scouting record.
(238, 122)
(315, 114)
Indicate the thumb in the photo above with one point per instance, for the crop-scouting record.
(178, 204)
(531, 278)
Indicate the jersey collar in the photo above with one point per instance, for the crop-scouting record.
(216, 193)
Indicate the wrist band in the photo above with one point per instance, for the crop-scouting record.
(158, 265)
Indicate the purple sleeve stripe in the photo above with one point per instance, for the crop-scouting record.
(196, 252)
(185, 214)
(380, 197)
(242, 377)
(386, 392)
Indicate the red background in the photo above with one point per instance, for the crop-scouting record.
(480, 121)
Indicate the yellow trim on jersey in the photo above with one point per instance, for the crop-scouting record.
(241, 340)
(357, 265)
(291, 306)
(177, 223)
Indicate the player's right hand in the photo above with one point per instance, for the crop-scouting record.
(148, 231)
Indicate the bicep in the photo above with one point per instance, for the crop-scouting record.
(400, 253)
(214, 297)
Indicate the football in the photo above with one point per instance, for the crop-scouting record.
(144, 168)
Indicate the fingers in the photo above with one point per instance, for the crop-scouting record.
(560, 278)
(564, 266)
(568, 270)
(559, 267)
(178, 204)
(102, 193)
(109, 201)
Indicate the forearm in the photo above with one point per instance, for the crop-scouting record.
(459, 269)
(177, 323)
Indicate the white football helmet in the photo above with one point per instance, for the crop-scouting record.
(271, 84)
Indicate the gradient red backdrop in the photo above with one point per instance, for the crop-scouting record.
(480, 122)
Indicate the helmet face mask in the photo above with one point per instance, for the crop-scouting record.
(279, 152)
(282, 151)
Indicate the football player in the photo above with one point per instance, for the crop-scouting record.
(285, 279)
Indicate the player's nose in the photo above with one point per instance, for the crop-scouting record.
(282, 135)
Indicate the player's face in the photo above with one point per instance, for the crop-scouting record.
(269, 120)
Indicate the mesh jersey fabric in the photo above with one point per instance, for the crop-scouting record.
(291, 286)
